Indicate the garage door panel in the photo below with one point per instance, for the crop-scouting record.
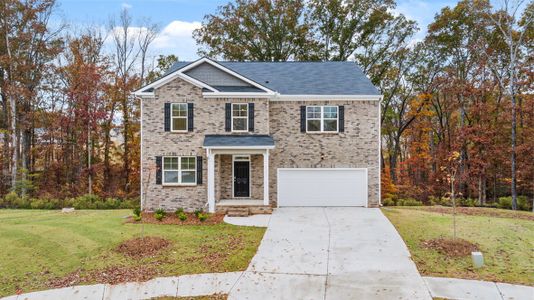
(322, 187)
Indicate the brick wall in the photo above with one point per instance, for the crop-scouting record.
(356, 147)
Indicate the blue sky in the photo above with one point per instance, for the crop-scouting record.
(178, 18)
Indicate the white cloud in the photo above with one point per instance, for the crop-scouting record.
(125, 5)
(177, 38)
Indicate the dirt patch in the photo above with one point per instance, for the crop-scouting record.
(111, 275)
(451, 247)
(148, 246)
(172, 219)
(481, 211)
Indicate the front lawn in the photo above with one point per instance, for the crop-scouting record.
(45, 249)
(506, 243)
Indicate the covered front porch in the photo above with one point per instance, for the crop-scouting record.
(238, 172)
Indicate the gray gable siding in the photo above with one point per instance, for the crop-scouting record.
(301, 78)
(214, 76)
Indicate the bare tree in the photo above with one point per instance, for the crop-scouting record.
(513, 30)
(147, 34)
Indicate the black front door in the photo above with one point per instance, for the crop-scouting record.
(241, 178)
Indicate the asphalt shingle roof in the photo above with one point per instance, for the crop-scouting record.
(303, 78)
(219, 140)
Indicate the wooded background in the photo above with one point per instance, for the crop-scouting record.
(70, 126)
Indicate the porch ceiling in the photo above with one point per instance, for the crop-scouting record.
(238, 142)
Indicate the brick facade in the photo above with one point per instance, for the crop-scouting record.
(356, 147)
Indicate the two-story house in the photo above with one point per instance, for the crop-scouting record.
(218, 134)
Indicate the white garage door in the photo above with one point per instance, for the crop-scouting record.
(322, 187)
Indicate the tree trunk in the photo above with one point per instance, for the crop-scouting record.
(126, 155)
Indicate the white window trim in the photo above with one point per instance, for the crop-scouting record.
(238, 117)
(322, 119)
(186, 117)
(179, 183)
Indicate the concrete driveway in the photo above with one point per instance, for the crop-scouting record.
(330, 253)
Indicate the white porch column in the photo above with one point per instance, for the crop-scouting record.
(266, 177)
(211, 181)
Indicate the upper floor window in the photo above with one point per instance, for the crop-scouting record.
(179, 170)
(239, 117)
(179, 117)
(322, 119)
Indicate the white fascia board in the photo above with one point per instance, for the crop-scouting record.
(235, 95)
(237, 147)
(225, 69)
(144, 95)
(170, 77)
(327, 97)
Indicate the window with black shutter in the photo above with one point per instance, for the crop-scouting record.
(228, 117)
(341, 118)
(158, 170)
(251, 117)
(190, 115)
(167, 117)
(303, 118)
(199, 169)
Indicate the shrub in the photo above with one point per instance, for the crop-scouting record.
(202, 217)
(440, 201)
(21, 202)
(179, 210)
(198, 212)
(11, 198)
(137, 218)
(522, 203)
(182, 216)
(159, 214)
(409, 202)
(470, 202)
(129, 203)
(388, 202)
(137, 211)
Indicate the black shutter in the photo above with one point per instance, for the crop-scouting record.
(167, 117)
(251, 117)
(199, 169)
(303, 119)
(189, 117)
(341, 112)
(228, 117)
(158, 169)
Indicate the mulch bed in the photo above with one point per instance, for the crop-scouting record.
(147, 246)
(172, 219)
(451, 247)
(110, 275)
(481, 211)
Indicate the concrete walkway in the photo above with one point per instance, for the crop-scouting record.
(181, 286)
(331, 253)
(452, 288)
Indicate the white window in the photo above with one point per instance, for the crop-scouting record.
(179, 117)
(179, 170)
(322, 118)
(239, 117)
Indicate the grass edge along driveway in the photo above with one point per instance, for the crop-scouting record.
(40, 246)
(506, 244)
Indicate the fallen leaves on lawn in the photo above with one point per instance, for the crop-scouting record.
(481, 211)
(147, 246)
(110, 275)
(172, 219)
(451, 247)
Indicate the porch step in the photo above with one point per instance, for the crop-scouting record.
(238, 212)
(244, 210)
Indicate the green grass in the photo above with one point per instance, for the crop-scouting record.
(37, 246)
(506, 243)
